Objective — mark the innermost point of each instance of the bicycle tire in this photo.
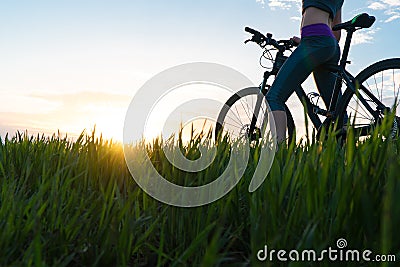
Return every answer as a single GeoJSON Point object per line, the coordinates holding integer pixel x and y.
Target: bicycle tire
{"type": "Point", "coordinates": [229, 106]}
{"type": "Point", "coordinates": [377, 73]}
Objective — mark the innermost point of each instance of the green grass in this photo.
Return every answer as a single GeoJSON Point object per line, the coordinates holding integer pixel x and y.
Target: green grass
{"type": "Point", "coordinates": [66, 203]}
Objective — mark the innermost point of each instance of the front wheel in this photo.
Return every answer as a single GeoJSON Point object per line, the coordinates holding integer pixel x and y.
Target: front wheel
{"type": "Point", "coordinates": [237, 114]}
{"type": "Point", "coordinates": [377, 94]}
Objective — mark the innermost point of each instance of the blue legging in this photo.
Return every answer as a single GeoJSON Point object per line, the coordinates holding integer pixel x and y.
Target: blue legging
{"type": "Point", "coordinates": [314, 54]}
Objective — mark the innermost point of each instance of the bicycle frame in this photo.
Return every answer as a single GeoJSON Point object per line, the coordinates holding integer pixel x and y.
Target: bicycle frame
{"type": "Point", "coordinates": [342, 75]}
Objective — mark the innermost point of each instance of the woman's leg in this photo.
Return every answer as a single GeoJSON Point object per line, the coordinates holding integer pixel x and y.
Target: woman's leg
{"type": "Point", "coordinates": [325, 81]}
{"type": "Point", "coordinates": [280, 125]}
{"type": "Point", "coordinates": [311, 53]}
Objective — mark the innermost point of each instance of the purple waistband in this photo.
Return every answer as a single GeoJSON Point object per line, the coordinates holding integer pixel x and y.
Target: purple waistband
{"type": "Point", "coordinates": [319, 29]}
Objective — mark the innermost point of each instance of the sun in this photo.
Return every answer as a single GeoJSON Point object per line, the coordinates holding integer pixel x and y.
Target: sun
{"type": "Point", "coordinates": [108, 121]}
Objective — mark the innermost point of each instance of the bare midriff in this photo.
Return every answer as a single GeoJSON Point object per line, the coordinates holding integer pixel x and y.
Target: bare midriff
{"type": "Point", "coordinates": [313, 15]}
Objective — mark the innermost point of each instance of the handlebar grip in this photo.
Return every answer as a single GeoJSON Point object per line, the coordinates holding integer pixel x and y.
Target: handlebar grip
{"type": "Point", "coordinates": [250, 30]}
{"type": "Point", "coordinates": [294, 44]}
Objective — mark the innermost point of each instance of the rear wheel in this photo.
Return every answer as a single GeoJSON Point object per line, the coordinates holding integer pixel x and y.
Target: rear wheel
{"type": "Point", "coordinates": [378, 95]}
{"type": "Point", "coordinates": [236, 115]}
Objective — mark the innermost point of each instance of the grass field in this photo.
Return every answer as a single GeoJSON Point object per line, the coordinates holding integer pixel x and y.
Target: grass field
{"type": "Point", "coordinates": [65, 203]}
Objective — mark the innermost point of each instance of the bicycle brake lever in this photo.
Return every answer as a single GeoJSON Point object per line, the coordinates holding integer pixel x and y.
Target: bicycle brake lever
{"type": "Point", "coordinates": [248, 40]}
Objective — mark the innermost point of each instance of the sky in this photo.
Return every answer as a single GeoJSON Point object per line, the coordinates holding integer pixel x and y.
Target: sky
{"type": "Point", "coordinates": [69, 65]}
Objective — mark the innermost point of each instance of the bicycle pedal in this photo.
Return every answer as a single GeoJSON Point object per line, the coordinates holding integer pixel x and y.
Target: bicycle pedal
{"type": "Point", "coordinates": [319, 111]}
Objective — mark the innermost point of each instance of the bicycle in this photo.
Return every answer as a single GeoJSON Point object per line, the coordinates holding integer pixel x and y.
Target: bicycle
{"type": "Point", "coordinates": [361, 106]}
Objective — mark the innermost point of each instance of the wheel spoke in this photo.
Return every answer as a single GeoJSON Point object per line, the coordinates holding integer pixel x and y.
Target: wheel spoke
{"type": "Point", "coordinates": [238, 115]}
{"type": "Point", "coordinates": [239, 125]}
{"type": "Point", "coordinates": [377, 80]}
{"type": "Point", "coordinates": [358, 105]}
{"type": "Point", "coordinates": [230, 124]}
{"type": "Point", "coordinates": [363, 117]}
{"type": "Point", "coordinates": [244, 108]}
{"type": "Point", "coordinates": [377, 90]}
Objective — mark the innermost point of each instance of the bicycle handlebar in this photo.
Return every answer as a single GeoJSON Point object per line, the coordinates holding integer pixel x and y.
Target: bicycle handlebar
{"type": "Point", "coordinates": [263, 40]}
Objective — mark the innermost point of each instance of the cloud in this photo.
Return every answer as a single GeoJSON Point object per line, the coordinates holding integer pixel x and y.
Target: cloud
{"type": "Point", "coordinates": [284, 4]}
{"type": "Point", "coordinates": [392, 2]}
{"type": "Point", "coordinates": [394, 17]}
{"type": "Point", "coordinates": [281, 4]}
{"type": "Point", "coordinates": [376, 6]}
{"type": "Point", "coordinates": [46, 113]}
{"type": "Point", "coordinates": [363, 37]}
{"type": "Point", "coordinates": [262, 2]}
{"type": "Point", "coordinates": [294, 18]}
{"type": "Point", "coordinates": [26, 104]}
{"type": "Point", "coordinates": [390, 8]}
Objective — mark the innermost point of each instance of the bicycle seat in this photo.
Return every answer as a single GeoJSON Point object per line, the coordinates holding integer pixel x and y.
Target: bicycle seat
{"type": "Point", "coordinates": [361, 21]}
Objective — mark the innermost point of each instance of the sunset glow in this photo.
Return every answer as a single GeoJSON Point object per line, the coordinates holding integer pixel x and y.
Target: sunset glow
{"type": "Point", "coordinates": [70, 66]}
